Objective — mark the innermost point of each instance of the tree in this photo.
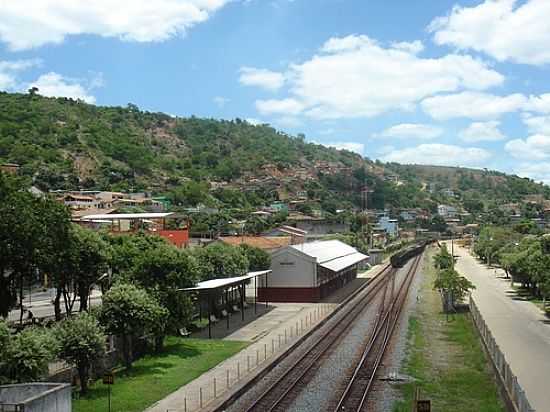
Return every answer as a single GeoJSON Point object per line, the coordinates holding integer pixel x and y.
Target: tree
{"type": "Point", "coordinates": [4, 342]}
{"type": "Point", "coordinates": [33, 90]}
{"type": "Point", "coordinates": [81, 342]}
{"type": "Point", "coordinates": [33, 235]}
{"type": "Point", "coordinates": [438, 224]}
{"type": "Point", "coordinates": [91, 255]}
{"type": "Point", "coordinates": [219, 260]}
{"type": "Point", "coordinates": [453, 287]}
{"type": "Point", "coordinates": [258, 259]}
{"type": "Point", "coordinates": [129, 311]}
{"type": "Point", "coordinates": [443, 260]}
{"type": "Point", "coordinates": [27, 355]}
{"type": "Point", "coordinates": [163, 271]}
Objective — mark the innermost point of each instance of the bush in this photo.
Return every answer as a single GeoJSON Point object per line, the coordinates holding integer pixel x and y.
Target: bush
{"type": "Point", "coordinates": [81, 341]}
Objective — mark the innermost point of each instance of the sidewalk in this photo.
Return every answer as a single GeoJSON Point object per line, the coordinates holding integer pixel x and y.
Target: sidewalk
{"type": "Point", "coordinates": [519, 327]}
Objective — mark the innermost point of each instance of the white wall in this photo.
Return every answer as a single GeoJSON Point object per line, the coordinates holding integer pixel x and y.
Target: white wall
{"type": "Point", "coordinates": [292, 270]}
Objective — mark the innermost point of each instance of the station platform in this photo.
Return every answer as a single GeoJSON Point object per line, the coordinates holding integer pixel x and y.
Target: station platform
{"type": "Point", "coordinates": [271, 331]}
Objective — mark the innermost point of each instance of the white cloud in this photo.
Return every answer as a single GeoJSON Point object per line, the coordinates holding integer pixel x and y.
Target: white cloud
{"type": "Point", "coordinates": [221, 101]}
{"type": "Point", "coordinates": [439, 154]}
{"type": "Point", "coordinates": [284, 106]}
{"type": "Point", "coordinates": [288, 121]}
{"type": "Point", "coordinates": [539, 104]}
{"type": "Point", "coordinates": [253, 121]}
{"type": "Point", "coordinates": [33, 23]}
{"type": "Point", "coordinates": [474, 105]}
{"type": "Point", "coordinates": [411, 131]}
{"type": "Point", "coordinates": [350, 146]}
{"type": "Point", "coordinates": [537, 124]}
{"type": "Point", "coordinates": [505, 29]}
{"type": "Point", "coordinates": [535, 147]}
{"type": "Point", "coordinates": [263, 78]}
{"type": "Point", "coordinates": [414, 47]}
{"type": "Point", "coordinates": [482, 131]}
{"type": "Point", "coordinates": [539, 172]}
{"type": "Point", "coordinates": [355, 76]}
{"type": "Point", "coordinates": [10, 69]}
{"type": "Point", "coordinates": [55, 85]}
{"type": "Point", "coordinates": [382, 150]}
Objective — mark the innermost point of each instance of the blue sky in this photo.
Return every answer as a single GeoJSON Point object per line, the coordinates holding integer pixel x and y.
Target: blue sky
{"type": "Point", "coordinates": [436, 82]}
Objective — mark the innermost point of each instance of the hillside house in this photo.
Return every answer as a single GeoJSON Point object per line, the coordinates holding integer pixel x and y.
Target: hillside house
{"type": "Point", "coordinates": [388, 225]}
{"type": "Point", "coordinates": [77, 201]}
{"type": "Point", "coordinates": [11, 168]}
{"type": "Point", "coordinates": [315, 225]}
{"type": "Point", "coordinates": [446, 211]}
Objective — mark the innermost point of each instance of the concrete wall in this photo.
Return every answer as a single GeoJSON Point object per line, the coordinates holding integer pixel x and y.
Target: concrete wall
{"type": "Point", "coordinates": [38, 397]}
{"type": "Point", "coordinates": [290, 269]}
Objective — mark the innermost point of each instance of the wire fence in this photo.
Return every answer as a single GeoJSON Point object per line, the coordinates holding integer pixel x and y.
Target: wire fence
{"type": "Point", "coordinates": [507, 379]}
{"type": "Point", "coordinates": [257, 355]}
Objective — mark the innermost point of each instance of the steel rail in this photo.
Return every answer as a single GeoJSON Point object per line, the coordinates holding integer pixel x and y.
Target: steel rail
{"type": "Point", "coordinates": [390, 318]}
{"type": "Point", "coordinates": [274, 389]}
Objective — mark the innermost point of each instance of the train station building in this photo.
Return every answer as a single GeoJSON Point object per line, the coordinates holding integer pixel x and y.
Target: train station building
{"type": "Point", "coordinates": [308, 272]}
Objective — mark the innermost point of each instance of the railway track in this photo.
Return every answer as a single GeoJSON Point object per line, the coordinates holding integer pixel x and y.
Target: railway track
{"type": "Point", "coordinates": [360, 383]}
{"type": "Point", "coordinates": [279, 393]}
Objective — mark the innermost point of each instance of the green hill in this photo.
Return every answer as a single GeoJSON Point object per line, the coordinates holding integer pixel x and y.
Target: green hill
{"type": "Point", "coordinates": [65, 144]}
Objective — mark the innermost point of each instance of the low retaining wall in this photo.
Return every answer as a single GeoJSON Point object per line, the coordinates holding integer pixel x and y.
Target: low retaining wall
{"type": "Point", "coordinates": [36, 397]}
{"type": "Point", "coordinates": [515, 396]}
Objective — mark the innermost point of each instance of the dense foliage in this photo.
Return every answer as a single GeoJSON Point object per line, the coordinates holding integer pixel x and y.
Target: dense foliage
{"type": "Point", "coordinates": [64, 144]}
{"type": "Point", "coordinates": [524, 257]}
{"type": "Point", "coordinates": [81, 342]}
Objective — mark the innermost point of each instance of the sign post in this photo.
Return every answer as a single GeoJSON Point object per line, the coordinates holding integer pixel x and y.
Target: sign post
{"type": "Point", "coordinates": [109, 380]}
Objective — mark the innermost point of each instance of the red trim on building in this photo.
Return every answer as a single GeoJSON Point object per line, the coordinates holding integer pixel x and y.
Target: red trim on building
{"type": "Point", "coordinates": [289, 294]}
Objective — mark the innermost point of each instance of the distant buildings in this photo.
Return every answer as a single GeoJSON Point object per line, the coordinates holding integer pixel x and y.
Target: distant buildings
{"type": "Point", "coordinates": [388, 225]}
{"type": "Point", "coordinates": [11, 168]}
{"type": "Point", "coordinates": [448, 192]}
{"type": "Point", "coordinates": [447, 211]}
{"type": "Point", "coordinates": [78, 200]}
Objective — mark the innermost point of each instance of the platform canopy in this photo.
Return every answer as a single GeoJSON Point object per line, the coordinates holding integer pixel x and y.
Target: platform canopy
{"type": "Point", "coordinates": [127, 216]}
{"type": "Point", "coordinates": [221, 283]}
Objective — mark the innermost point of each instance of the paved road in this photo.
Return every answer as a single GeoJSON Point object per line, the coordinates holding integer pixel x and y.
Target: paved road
{"type": "Point", "coordinates": [40, 304]}
{"type": "Point", "coordinates": [519, 327]}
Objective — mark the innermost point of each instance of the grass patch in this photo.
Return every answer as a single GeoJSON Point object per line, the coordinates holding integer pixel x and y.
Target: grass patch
{"type": "Point", "coordinates": [155, 376]}
{"type": "Point", "coordinates": [446, 359]}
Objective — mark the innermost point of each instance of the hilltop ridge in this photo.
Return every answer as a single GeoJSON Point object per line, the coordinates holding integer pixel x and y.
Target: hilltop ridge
{"type": "Point", "coordinates": [66, 144]}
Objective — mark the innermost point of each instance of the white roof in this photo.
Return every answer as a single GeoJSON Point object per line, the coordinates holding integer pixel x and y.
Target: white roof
{"type": "Point", "coordinates": [126, 216]}
{"type": "Point", "coordinates": [339, 264]}
{"type": "Point", "coordinates": [224, 282]}
{"type": "Point", "coordinates": [331, 254]}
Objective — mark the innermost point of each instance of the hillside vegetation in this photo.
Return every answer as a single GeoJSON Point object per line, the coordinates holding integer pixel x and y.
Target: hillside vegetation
{"type": "Point", "coordinates": [65, 144]}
